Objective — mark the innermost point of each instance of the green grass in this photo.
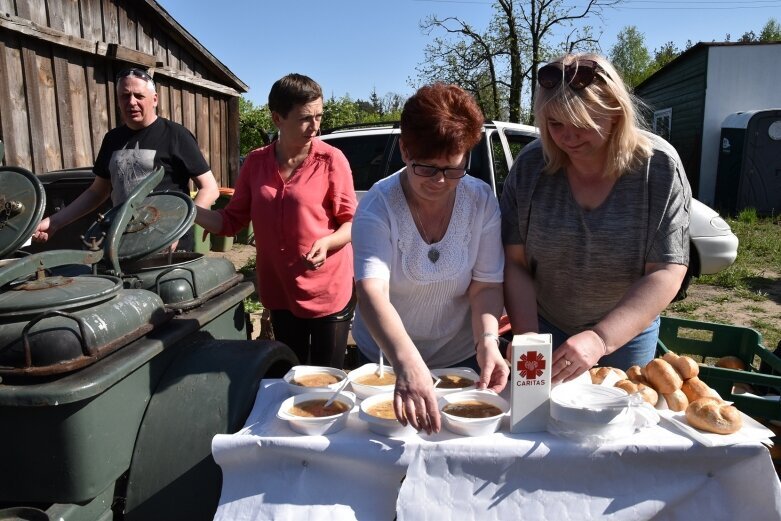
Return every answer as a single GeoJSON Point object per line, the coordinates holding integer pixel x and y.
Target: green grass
{"type": "Point", "coordinates": [685, 307]}
{"type": "Point", "coordinates": [771, 333]}
{"type": "Point", "coordinates": [249, 267]}
{"type": "Point", "coordinates": [759, 254]}
{"type": "Point", "coordinates": [252, 305]}
{"type": "Point", "coordinates": [754, 276]}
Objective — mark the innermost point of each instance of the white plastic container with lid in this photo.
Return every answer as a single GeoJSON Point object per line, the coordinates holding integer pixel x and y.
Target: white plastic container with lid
{"type": "Point", "coordinates": [591, 413]}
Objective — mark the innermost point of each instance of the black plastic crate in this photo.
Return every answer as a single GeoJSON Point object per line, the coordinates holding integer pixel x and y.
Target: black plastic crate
{"type": "Point", "coordinates": [706, 342]}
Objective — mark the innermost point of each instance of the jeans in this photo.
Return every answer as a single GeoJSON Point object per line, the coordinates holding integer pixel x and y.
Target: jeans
{"type": "Point", "coordinates": [638, 351]}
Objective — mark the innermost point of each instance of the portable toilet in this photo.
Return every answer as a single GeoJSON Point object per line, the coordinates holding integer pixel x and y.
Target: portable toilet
{"type": "Point", "coordinates": [749, 167]}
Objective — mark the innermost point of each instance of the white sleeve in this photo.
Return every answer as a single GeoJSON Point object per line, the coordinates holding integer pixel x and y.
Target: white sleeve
{"type": "Point", "coordinates": [489, 265]}
{"type": "Point", "coordinates": [372, 244]}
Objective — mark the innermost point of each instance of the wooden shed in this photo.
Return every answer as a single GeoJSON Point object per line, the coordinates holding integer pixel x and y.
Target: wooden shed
{"type": "Point", "coordinates": [692, 95]}
{"type": "Point", "coordinates": [58, 62]}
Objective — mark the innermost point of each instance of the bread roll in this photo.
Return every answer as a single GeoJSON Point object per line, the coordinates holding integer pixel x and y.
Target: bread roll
{"type": "Point", "coordinates": [687, 367]}
{"type": "Point", "coordinates": [670, 356]}
{"type": "Point", "coordinates": [712, 415]}
{"type": "Point", "coordinates": [676, 401]}
{"type": "Point", "coordinates": [598, 374]}
{"type": "Point", "coordinates": [648, 394]}
{"type": "Point", "coordinates": [694, 389]}
{"type": "Point", "coordinates": [661, 376]}
{"type": "Point", "coordinates": [731, 362]}
{"type": "Point", "coordinates": [635, 373]}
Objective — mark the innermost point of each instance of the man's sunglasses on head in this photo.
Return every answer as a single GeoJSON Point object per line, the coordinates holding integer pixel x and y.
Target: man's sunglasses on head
{"type": "Point", "coordinates": [577, 75]}
{"type": "Point", "coordinates": [136, 73]}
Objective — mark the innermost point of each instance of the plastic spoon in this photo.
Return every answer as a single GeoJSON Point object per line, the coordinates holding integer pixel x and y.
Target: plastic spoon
{"type": "Point", "coordinates": [382, 365]}
{"type": "Point", "coordinates": [339, 390]}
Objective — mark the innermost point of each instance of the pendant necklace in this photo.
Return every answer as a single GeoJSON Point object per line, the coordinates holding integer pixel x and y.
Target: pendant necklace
{"type": "Point", "coordinates": [433, 252]}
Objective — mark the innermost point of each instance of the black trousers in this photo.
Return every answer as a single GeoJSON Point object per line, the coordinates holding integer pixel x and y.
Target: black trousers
{"type": "Point", "coordinates": [316, 341]}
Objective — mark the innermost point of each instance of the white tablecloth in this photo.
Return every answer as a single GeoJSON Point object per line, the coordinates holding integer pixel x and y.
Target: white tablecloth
{"type": "Point", "coordinates": [271, 472]}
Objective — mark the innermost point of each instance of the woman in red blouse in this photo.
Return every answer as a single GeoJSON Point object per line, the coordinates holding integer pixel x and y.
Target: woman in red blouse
{"type": "Point", "coordinates": [298, 192]}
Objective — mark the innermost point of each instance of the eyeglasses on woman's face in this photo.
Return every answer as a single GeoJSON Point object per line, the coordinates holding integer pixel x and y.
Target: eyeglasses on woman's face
{"type": "Point", "coordinates": [577, 75]}
{"type": "Point", "coordinates": [424, 170]}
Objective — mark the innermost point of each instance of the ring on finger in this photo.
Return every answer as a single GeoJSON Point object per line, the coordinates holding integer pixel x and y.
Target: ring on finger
{"type": "Point", "coordinates": [567, 363]}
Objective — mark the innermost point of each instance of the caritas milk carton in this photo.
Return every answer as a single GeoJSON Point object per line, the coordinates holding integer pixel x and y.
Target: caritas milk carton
{"type": "Point", "coordinates": [530, 366]}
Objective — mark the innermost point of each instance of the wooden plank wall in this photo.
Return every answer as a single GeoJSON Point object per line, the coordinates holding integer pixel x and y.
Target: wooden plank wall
{"type": "Point", "coordinates": [57, 101]}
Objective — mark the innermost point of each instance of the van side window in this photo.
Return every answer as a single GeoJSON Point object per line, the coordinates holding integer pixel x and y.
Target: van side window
{"type": "Point", "coordinates": [517, 141]}
{"type": "Point", "coordinates": [366, 156]}
{"type": "Point", "coordinates": [500, 163]}
{"type": "Point", "coordinates": [396, 163]}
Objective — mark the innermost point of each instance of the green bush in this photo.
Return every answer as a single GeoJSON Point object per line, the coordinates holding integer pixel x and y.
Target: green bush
{"type": "Point", "coordinates": [748, 216]}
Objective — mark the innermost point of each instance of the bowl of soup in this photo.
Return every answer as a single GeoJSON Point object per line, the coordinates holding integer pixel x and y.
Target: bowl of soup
{"type": "Point", "coordinates": [473, 413]}
{"type": "Point", "coordinates": [377, 412]}
{"type": "Point", "coordinates": [309, 378]}
{"type": "Point", "coordinates": [366, 380]}
{"type": "Point", "coordinates": [455, 379]}
{"type": "Point", "coordinates": [307, 413]}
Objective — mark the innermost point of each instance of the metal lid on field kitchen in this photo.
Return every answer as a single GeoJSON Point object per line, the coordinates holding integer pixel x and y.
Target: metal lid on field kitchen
{"type": "Point", "coordinates": [145, 224]}
{"type": "Point", "coordinates": [55, 293]}
{"type": "Point", "coordinates": [22, 203]}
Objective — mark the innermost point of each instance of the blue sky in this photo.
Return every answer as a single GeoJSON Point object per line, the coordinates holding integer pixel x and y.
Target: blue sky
{"type": "Point", "coordinates": [353, 46]}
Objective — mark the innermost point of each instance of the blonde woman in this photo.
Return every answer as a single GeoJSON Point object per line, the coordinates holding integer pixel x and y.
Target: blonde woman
{"type": "Point", "coordinates": [595, 218]}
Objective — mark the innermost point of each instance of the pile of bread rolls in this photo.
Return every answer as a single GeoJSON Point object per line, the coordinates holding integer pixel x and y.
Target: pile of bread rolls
{"type": "Point", "coordinates": [675, 378]}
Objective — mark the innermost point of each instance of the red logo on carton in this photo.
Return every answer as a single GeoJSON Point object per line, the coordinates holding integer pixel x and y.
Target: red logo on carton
{"type": "Point", "coordinates": [531, 365]}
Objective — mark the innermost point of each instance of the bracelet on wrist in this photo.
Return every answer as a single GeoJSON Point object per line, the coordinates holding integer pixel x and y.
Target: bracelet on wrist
{"type": "Point", "coordinates": [604, 344]}
{"type": "Point", "coordinates": [492, 336]}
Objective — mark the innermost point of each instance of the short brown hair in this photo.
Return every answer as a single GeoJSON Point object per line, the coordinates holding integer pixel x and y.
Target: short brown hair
{"type": "Point", "coordinates": [291, 90]}
{"type": "Point", "coordinates": [440, 119]}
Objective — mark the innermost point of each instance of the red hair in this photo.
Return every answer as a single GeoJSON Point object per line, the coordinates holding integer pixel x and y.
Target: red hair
{"type": "Point", "coordinates": [440, 119]}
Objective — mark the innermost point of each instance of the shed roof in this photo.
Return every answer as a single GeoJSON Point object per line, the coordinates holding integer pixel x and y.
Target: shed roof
{"type": "Point", "coordinates": [697, 48]}
{"type": "Point", "coordinates": [217, 66]}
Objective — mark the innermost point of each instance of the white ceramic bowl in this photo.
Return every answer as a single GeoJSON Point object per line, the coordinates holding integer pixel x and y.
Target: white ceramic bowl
{"type": "Point", "coordinates": [364, 391]}
{"type": "Point", "coordinates": [588, 404]}
{"type": "Point", "coordinates": [473, 426]}
{"type": "Point", "coordinates": [312, 369]}
{"type": "Point", "coordinates": [316, 426]}
{"type": "Point", "coordinates": [463, 372]}
{"type": "Point", "coordinates": [382, 426]}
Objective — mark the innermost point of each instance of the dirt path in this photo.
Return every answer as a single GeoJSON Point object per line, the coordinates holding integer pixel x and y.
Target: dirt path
{"type": "Point", "coordinates": [238, 255]}
{"type": "Point", "coordinates": [759, 309]}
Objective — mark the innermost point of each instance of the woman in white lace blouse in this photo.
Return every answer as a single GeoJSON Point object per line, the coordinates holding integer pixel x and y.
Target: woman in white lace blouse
{"type": "Point", "coordinates": [428, 258]}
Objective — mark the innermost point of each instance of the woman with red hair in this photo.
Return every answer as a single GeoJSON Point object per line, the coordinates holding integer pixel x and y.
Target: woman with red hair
{"type": "Point", "coordinates": [428, 258]}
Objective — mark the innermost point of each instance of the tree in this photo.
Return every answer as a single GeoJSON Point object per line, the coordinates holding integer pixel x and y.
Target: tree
{"type": "Point", "coordinates": [254, 126]}
{"type": "Point", "coordinates": [392, 103]}
{"type": "Point", "coordinates": [771, 32]}
{"type": "Point", "coordinates": [499, 65]}
{"type": "Point", "coordinates": [748, 37]}
{"type": "Point", "coordinates": [630, 56]}
{"type": "Point", "coordinates": [469, 61]}
{"type": "Point", "coordinates": [662, 56]}
{"type": "Point", "coordinates": [376, 102]}
{"type": "Point", "coordinates": [339, 112]}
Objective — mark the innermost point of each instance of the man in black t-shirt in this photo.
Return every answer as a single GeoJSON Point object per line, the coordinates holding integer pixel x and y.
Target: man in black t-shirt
{"type": "Point", "coordinates": [132, 151]}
